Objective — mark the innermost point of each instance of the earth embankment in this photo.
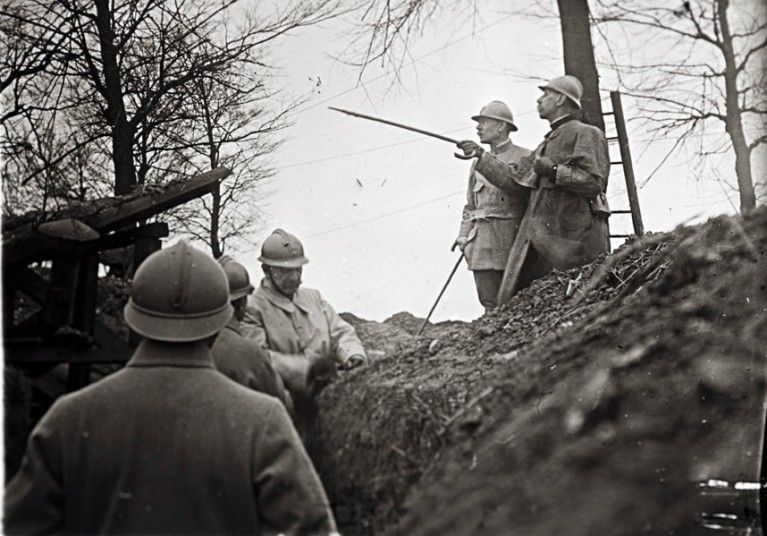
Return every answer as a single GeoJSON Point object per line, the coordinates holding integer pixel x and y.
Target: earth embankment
{"type": "Point", "coordinates": [622, 397]}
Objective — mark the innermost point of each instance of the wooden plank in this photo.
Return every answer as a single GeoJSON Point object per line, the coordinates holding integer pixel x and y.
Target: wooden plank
{"type": "Point", "coordinates": [127, 237]}
{"type": "Point", "coordinates": [143, 207]}
{"type": "Point", "coordinates": [25, 243]}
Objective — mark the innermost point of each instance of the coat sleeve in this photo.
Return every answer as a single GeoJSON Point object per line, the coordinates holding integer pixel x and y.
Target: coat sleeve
{"type": "Point", "coordinates": [34, 499]}
{"type": "Point", "coordinates": [513, 177]}
{"type": "Point", "coordinates": [257, 373]}
{"type": "Point", "coordinates": [585, 171]}
{"type": "Point", "coordinates": [466, 223]}
{"type": "Point", "coordinates": [343, 339]}
{"type": "Point", "coordinates": [290, 497]}
{"type": "Point", "coordinates": [293, 369]}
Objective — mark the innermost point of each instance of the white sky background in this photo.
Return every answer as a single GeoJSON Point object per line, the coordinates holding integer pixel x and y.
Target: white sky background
{"type": "Point", "coordinates": [384, 247]}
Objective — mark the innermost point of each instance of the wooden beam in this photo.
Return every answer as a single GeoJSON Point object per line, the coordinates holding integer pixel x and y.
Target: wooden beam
{"type": "Point", "coordinates": [120, 239]}
{"type": "Point", "coordinates": [148, 205]}
{"type": "Point", "coordinates": [25, 243]}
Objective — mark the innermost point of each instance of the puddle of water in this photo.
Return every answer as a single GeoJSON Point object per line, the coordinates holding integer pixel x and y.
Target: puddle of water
{"type": "Point", "coordinates": [730, 508]}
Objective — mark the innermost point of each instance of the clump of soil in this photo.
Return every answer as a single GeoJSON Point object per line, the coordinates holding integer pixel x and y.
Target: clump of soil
{"type": "Point", "coordinates": [595, 403]}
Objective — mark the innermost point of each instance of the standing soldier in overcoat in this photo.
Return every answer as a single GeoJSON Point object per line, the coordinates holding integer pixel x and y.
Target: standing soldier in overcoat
{"type": "Point", "coordinates": [566, 220]}
{"type": "Point", "coordinates": [492, 216]}
{"type": "Point", "coordinates": [301, 331]}
{"type": "Point", "coordinates": [168, 445]}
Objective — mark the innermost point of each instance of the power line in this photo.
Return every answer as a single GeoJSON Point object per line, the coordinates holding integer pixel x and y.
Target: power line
{"type": "Point", "coordinates": [386, 215]}
{"type": "Point", "coordinates": [387, 73]}
{"type": "Point", "coordinates": [363, 151]}
{"type": "Point", "coordinates": [379, 147]}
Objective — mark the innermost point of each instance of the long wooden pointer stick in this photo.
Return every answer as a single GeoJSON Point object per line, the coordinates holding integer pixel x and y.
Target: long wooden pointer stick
{"type": "Point", "coordinates": [406, 127]}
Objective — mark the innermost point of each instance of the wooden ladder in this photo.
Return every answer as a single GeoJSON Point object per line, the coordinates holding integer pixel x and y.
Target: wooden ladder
{"type": "Point", "coordinates": [626, 164]}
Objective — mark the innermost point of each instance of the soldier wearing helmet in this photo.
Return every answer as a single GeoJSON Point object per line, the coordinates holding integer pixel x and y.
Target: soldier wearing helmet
{"type": "Point", "coordinates": [491, 216]}
{"type": "Point", "coordinates": [567, 178]}
{"type": "Point", "coordinates": [168, 445]}
{"type": "Point", "coordinates": [302, 332]}
{"type": "Point", "coordinates": [238, 357]}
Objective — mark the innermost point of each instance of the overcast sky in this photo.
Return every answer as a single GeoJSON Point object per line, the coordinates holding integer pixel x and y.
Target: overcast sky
{"type": "Point", "coordinates": [378, 208]}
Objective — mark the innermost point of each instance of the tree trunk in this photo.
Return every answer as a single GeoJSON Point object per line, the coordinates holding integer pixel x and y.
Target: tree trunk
{"type": "Point", "coordinates": [213, 156]}
{"type": "Point", "coordinates": [122, 130]}
{"type": "Point", "coordinates": [579, 56]}
{"type": "Point", "coordinates": [215, 215]}
{"type": "Point", "coordinates": [733, 122]}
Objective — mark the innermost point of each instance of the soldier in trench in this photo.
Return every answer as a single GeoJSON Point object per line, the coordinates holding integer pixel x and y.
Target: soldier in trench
{"type": "Point", "coordinates": [566, 220]}
{"type": "Point", "coordinates": [168, 445]}
{"type": "Point", "coordinates": [491, 216]}
{"type": "Point", "coordinates": [303, 334]}
{"type": "Point", "coordinates": [241, 358]}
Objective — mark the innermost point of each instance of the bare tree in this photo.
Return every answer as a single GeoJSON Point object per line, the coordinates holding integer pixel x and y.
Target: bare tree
{"type": "Point", "coordinates": [711, 71]}
{"type": "Point", "coordinates": [128, 61]}
{"type": "Point", "coordinates": [229, 123]}
{"type": "Point", "coordinates": [388, 26]}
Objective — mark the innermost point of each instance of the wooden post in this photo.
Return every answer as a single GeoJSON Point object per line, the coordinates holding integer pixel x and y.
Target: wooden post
{"type": "Point", "coordinates": [84, 314]}
{"type": "Point", "coordinates": [144, 246]}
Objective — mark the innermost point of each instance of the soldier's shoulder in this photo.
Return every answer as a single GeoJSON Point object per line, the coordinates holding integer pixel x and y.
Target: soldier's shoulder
{"type": "Point", "coordinates": [585, 127]}
{"type": "Point", "coordinates": [309, 294]}
{"type": "Point", "coordinates": [95, 395]}
{"type": "Point", "coordinates": [257, 299]}
{"type": "Point", "coordinates": [240, 398]}
{"type": "Point", "coordinates": [522, 151]}
{"type": "Point", "coordinates": [230, 345]}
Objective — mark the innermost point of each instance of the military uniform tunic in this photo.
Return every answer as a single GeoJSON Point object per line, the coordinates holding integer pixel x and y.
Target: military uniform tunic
{"type": "Point", "coordinates": [491, 216]}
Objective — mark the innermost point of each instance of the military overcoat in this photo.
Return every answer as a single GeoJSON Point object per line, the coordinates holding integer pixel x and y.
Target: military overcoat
{"type": "Point", "coordinates": [298, 333]}
{"type": "Point", "coordinates": [168, 445]}
{"type": "Point", "coordinates": [244, 361]}
{"type": "Point", "coordinates": [564, 231]}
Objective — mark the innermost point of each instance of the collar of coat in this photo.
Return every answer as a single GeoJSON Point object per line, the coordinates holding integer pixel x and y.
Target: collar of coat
{"type": "Point", "coordinates": [151, 353]}
{"type": "Point", "coordinates": [234, 325]}
{"type": "Point", "coordinates": [558, 123]}
{"type": "Point", "coordinates": [502, 147]}
{"type": "Point", "coordinates": [278, 300]}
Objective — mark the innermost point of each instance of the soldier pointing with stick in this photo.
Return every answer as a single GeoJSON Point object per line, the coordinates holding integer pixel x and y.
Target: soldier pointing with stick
{"type": "Point", "coordinates": [565, 224]}
{"type": "Point", "coordinates": [491, 216]}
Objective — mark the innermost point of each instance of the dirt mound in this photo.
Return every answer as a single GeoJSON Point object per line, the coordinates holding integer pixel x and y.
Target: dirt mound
{"type": "Point", "coordinates": [598, 402]}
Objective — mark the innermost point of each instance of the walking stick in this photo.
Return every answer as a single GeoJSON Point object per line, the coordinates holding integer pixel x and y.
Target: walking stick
{"type": "Point", "coordinates": [441, 292]}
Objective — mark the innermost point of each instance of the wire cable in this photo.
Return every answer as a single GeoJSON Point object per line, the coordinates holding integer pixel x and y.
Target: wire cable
{"type": "Point", "coordinates": [386, 215]}
{"type": "Point", "coordinates": [411, 62]}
